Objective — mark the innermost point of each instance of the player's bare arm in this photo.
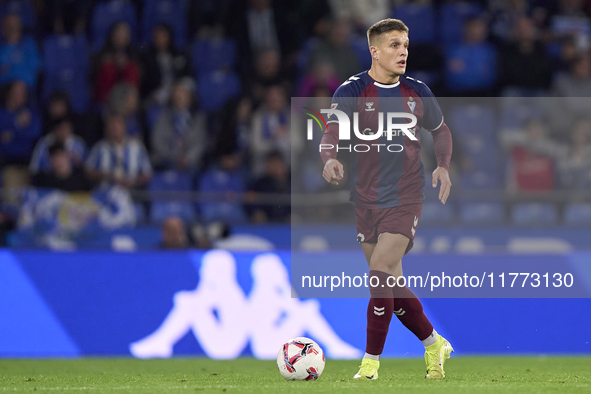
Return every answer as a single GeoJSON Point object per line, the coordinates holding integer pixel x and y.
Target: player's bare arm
{"type": "Point", "coordinates": [333, 171]}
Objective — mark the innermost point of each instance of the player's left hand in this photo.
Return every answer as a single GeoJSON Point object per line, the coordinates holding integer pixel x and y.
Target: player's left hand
{"type": "Point", "coordinates": [441, 175]}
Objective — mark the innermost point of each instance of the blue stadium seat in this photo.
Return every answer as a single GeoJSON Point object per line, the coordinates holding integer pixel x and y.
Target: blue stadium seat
{"type": "Point", "coordinates": [106, 14]}
{"type": "Point", "coordinates": [216, 88]}
{"type": "Point", "coordinates": [475, 128]}
{"type": "Point", "coordinates": [534, 214]}
{"type": "Point", "coordinates": [212, 55]}
{"type": "Point", "coordinates": [577, 214]}
{"type": "Point", "coordinates": [453, 15]}
{"type": "Point", "coordinates": [420, 20]}
{"type": "Point", "coordinates": [161, 210]}
{"type": "Point", "coordinates": [482, 213]}
{"type": "Point", "coordinates": [22, 8]}
{"type": "Point", "coordinates": [480, 180]}
{"type": "Point", "coordinates": [435, 213]}
{"type": "Point", "coordinates": [66, 69]}
{"type": "Point", "coordinates": [218, 181]}
{"type": "Point", "coordinates": [362, 54]}
{"type": "Point", "coordinates": [171, 181]}
{"type": "Point", "coordinates": [466, 120]}
{"type": "Point", "coordinates": [169, 12]}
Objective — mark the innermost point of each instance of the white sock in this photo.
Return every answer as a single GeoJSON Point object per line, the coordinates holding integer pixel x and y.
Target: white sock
{"type": "Point", "coordinates": [372, 356]}
{"type": "Point", "coordinates": [431, 339]}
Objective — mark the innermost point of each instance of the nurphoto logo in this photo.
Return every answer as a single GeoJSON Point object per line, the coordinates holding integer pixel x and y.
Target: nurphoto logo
{"type": "Point", "coordinates": [392, 129]}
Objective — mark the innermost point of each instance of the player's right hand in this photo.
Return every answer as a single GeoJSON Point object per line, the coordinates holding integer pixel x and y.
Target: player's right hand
{"type": "Point", "coordinates": [333, 171]}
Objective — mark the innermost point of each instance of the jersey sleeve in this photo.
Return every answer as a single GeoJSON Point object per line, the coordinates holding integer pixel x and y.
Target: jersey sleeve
{"type": "Point", "coordinates": [343, 100]}
{"type": "Point", "coordinates": [432, 115]}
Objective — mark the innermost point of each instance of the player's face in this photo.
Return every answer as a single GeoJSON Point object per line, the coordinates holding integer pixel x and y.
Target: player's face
{"type": "Point", "coordinates": [392, 51]}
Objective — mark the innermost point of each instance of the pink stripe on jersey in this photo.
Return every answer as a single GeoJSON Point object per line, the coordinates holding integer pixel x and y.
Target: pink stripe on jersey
{"type": "Point", "coordinates": [410, 184]}
{"type": "Point", "coordinates": [368, 163]}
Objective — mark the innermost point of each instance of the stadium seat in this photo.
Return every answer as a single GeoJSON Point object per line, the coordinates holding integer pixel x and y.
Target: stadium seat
{"type": "Point", "coordinates": [22, 8]}
{"type": "Point", "coordinates": [169, 12]}
{"type": "Point", "coordinates": [161, 210]}
{"type": "Point", "coordinates": [213, 55]}
{"type": "Point", "coordinates": [480, 180]}
{"type": "Point", "coordinates": [434, 213]}
{"type": "Point", "coordinates": [525, 214]}
{"type": "Point", "coordinates": [420, 20]}
{"type": "Point", "coordinates": [577, 214]}
{"type": "Point", "coordinates": [453, 15]}
{"type": "Point", "coordinates": [218, 181]}
{"type": "Point", "coordinates": [106, 14]}
{"type": "Point", "coordinates": [66, 69]}
{"type": "Point", "coordinates": [216, 88]}
{"type": "Point", "coordinates": [171, 181]}
{"type": "Point", "coordinates": [475, 128]}
{"type": "Point", "coordinates": [482, 213]}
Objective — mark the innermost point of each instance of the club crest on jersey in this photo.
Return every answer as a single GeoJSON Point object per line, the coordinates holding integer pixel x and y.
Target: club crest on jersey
{"type": "Point", "coordinates": [369, 105]}
{"type": "Point", "coordinates": [411, 104]}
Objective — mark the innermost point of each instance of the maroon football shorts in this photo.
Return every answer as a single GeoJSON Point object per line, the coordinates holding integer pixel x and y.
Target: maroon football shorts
{"type": "Point", "coordinates": [402, 219]}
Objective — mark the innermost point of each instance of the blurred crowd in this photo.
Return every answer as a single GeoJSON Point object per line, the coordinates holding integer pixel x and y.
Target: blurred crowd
{"type": "Point", "coordinates": [124, 92]}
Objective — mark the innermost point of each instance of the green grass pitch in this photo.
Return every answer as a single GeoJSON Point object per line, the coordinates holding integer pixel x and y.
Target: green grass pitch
{"type": "Point", "coordinates": [245, 375]}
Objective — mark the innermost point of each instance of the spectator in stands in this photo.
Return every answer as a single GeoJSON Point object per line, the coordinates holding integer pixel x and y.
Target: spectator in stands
{"type": "Point", "coordinates": [533, 155]}
{"type": "Point", "coordinates": [58, 107]}
{"type": "Point", "coordinates": [571, 90]}
{"type": "Point", "coordinates": [270, 129]}
{"type": "Point", "coordinates": [62, 174]}
{"type": "Point", "coordinates": [20, 126]}
{"type": "Point", "coordinates": [259, 25]}
{"type": "Point", "coordinates": [267, 73]}
{"type": "Point", "coordinates": [162, 64]}
{"type": "Point", "coordinates": [116, 62]}
{"type": "Point", "coordinates": [526, 66]}
{"type": "Point", "coordinates": [576, 83]}
{"type": "Point", "coordinates": [471, 67]}
{"type": "Point", "coordinates": [66, 16]}
{"type": "Point", "coordinates": [62, 132]}
{"type": "Point", "coordinates": [362, 14]}
{"type": "Point", "coordinates": [173, 234]}
{"type": "Point", "coordinates": [506, 15]}
{"type": "Point", "coordinates": [275, 180]}
{"type": "Point", "coordinates": [323, 76]}
{"type": "Point", "coordinates": [124, 100]}
{"type": "Point", "coordinates": [335, 49]}
{"type": "Point", "coordinates": [179, 136]}
{"type": "Point", "coordinates": [18, 55]}
{"type": "Point", "coordinates": [118, 159]}
{"type": "Point", "coordinates": [226, 180]}
{"type": "Point", "coordinates": [575, 161]}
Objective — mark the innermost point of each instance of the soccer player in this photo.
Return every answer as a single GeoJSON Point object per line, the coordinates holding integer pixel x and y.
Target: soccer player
{"type": "Point", "coordinates": [387, 186]}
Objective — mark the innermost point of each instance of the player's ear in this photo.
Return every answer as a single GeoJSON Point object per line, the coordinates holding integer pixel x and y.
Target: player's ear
{"type": "Point", "coordinates": [374, 52]}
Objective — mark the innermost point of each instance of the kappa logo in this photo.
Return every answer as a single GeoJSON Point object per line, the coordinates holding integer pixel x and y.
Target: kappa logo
{"type": "Point", "coordinates": [369, 105]}
{"type": "Point", "coordinates": [379, 311]}
{"type": "Point", "coordinates": [413, 229]}
{"type": "Point", "coordinates": [360, 237]}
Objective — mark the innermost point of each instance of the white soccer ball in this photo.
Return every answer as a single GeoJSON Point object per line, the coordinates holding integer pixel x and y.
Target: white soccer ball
{"type": "Point", "coordinates": [300, 359]}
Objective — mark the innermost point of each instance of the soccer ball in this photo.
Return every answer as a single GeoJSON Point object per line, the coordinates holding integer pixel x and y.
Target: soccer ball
{"type": "Point", "coordinates": [300, 359]}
